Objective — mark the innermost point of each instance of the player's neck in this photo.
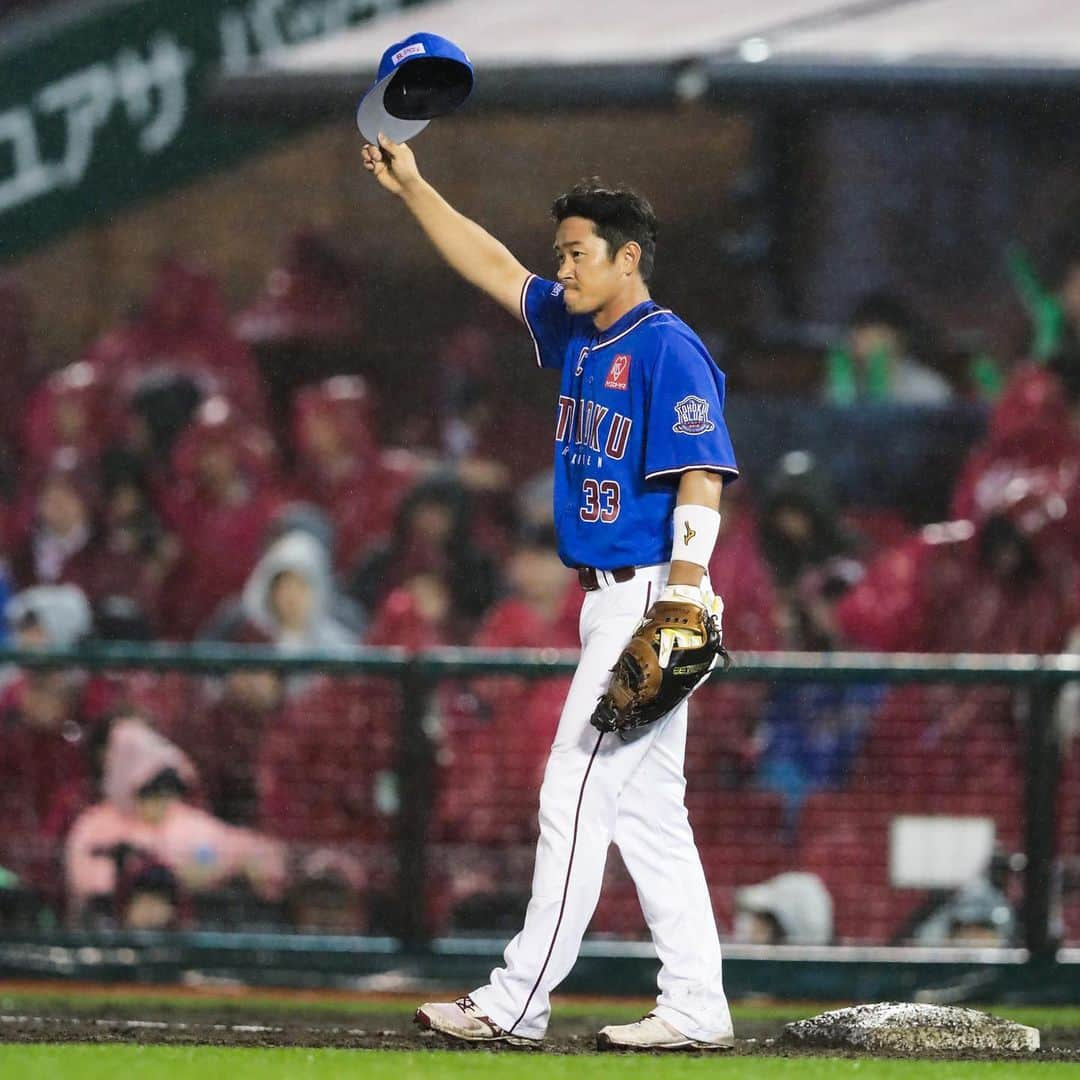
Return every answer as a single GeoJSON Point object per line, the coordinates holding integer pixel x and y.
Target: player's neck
{"type": "Point", "coordinates": [636, 292]}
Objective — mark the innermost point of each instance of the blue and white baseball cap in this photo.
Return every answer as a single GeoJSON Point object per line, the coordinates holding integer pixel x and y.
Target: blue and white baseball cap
{"type": "Point", "coordinates": [420, 78]}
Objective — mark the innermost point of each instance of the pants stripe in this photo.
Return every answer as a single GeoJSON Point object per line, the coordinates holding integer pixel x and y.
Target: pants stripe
{"type": "Point", "coordinates": [566, 888]}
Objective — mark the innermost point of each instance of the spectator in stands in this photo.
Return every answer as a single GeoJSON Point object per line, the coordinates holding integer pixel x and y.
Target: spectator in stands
{"type": "Point", "coordinates": [49, 616]}
{"type": "Point", "coordinates": [326, 771]}
{"type": "Point", "coordinates": [313, 300]}
{"type": "Point", "coordinates": [978, 914]}
{"type": "Point", "coordinates": [793, 908]}
{"type": "Point", "coordinates": [146, 782]}
{"type": "Point", "coordinates": [69, 411]}
{"type": "Point", "coordinates": [414, 616]}
{"type": "Point", "coordinates": [288, 597]}
{"type": "Point", "coordinates": [161, 406]}
{"type": "Point", "coordinates": [95, 527]}
{"type": "Point", "coordinates": [59, 539]}
{"type": "Point", "coordinates": [45, 730]}
{"type": "Point", "coordinates": [808, 737]}
{"type": "Point", "coordinates": [476, 437]}
{"type": "Point", "coordinates": [341, 467]}
{"type": "Point", "coordinates": [134, 555]}
{"type": "Point", "coordinates": [308, 323]}
{"type": "Point", "coordinates": [490, 434]}
{"type": "Point", "coordinates": [432, 539]}
{"type": "Point", "coordinates": [808, 733]}
{"type": "Point", "coordinates": [496, 734]}
{"type": "Point", "coordinates": [738, 569]}
{"type": "Point", "coordinates": [326, 901]}
{"type": "Point", "coordinates": [543, 604]}
{"type": "Point", "coordinates": [1032, 427]}
{"type": "Point", "coordinates": [230, 622]}
{"type": "Point", "coordinates": [182, 329]}
{"type": "Point", "coordinates": [1001, 583]}
{"type": "Point", "coordinates": [326, 777]}
{"type": "Point", "coordinates": [147, 895]}
{"type": "Point", "coordinates": [309, 518]}
{"type": "Point", "coordinates": [149, 898]}
{"type": "Point", "coordinates": [224, 730]}
{"type": "Point", "coordinates": [225, 497]}
{"type": "Point", "coordinates": [1054, 308]}
{"type": "Point", "coordinates": [467, 357]}
{"type": "Point", "coordinates": [809, 551]}
{"type": "Point", "coordinates": [876, 362]}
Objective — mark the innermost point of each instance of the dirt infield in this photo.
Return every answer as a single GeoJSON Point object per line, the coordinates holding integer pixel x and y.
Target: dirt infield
{"type": "Point", "coordinates": [235, 1025]}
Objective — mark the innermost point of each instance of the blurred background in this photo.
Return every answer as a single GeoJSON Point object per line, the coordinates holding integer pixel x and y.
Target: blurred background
{"type": "Point", "coordinates": [274, 484]}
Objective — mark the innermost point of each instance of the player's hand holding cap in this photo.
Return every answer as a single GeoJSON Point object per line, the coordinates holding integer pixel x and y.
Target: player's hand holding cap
{"type": "Point", "coordinates": [420, 78]}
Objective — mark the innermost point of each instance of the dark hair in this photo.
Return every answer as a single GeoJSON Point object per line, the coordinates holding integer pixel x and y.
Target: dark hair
{"type": "Point", "coordinates": [885, 309]}
{"type": "Point", "coordinates": [619, 215]}
{"type": "Point", "coordinates": [166, 401]}
{"type": "Point", "coordinates": [166, 782]}
{"type": "Point", "coordinates": [157, 880]}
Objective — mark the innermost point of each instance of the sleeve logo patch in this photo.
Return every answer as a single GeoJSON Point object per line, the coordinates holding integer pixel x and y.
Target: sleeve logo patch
{"type": "Point", "coordinates": [618, 375]}
{"type": "Point", "coordinates": [693, 416]}
{"type": "Point", "coordinates": [556, 290]}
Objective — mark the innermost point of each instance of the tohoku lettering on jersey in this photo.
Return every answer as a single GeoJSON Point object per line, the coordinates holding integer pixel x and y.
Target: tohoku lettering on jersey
{"type": "Point", "coordinates": [586, 424]}
{"type": "Point", "coordinates": [639, 404]}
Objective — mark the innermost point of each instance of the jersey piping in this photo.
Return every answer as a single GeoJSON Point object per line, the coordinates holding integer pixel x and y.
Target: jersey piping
{"type": "Point", "coordinates": [622, 334]}
{"type": "Point", "coordinates": [687, 468]}
{"type": "Point", "coordinates": [592, 348]}
{"type": "Point", "coordinates": [525, 319]}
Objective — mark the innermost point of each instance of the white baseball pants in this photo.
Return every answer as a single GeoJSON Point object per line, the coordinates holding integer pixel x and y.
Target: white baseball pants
{"type": "Point", "coordinates": [598, 789]}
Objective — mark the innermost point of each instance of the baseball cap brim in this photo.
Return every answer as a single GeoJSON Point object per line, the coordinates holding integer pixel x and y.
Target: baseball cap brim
{"type": "Point", "coordinates": [372, 117]}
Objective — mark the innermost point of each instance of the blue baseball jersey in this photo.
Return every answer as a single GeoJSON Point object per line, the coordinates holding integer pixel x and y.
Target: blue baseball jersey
{"type": "Point", "coordinates": [640, 403]}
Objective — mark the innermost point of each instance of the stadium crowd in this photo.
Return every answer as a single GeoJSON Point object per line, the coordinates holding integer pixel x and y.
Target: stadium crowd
{"type": "Point", "coordinates": [163, 488]}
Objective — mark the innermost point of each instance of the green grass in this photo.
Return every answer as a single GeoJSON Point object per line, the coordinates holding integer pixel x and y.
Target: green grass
{"type": "Point", "coordinates": [134, 1062]}
{"type": "Point", "coordinates": [206, 1063]}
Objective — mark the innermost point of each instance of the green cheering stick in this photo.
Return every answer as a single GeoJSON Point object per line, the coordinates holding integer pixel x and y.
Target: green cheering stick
{"type": "Point", "coordinates": [1043, 308]}
{"type": "Point", "coordinates": [842, 379]}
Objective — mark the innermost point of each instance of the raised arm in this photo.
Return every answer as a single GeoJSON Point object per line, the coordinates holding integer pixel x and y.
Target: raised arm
{"type": "Point", "coordinates": [470, 250]}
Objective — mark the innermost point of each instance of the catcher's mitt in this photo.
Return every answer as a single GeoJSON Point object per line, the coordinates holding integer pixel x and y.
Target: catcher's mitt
{"type": "Point", "coordinates": [674, 648]}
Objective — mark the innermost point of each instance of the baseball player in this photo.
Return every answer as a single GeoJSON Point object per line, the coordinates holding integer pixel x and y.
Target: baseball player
{"type": "Point", "coordinates": [641, 451]}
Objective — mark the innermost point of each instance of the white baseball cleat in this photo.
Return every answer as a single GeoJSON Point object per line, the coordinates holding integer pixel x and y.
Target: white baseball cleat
{"type": "Point", "coordinates": [652, 1033]}
{"type": "Point", "coordinates": [462, 1019]}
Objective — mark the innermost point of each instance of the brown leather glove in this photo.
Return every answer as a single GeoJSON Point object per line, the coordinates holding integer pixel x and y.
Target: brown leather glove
{"type": "Point", "coordinates": [673, 649]}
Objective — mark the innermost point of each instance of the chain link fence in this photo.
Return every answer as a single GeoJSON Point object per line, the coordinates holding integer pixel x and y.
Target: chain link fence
{"type": "Point", "coordinates": [885, 800]}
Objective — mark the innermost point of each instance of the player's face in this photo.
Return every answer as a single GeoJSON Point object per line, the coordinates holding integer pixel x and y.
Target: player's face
{"type": "Point", "coordinates": [584, 267]}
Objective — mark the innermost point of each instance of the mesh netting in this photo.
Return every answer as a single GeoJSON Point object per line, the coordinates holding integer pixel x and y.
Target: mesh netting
{"type": "Point", "coordinates": [293, 801]}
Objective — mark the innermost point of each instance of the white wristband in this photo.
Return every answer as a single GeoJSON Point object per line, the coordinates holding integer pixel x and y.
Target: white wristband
{"type": "Point", "coordinates": [689, 593]}
{"type": "Point", "coordinates": [696, 529]}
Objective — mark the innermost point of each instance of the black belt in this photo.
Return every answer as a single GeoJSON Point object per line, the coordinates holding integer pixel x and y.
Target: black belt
{"type": "Point", "coordinates": [590, 581]}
